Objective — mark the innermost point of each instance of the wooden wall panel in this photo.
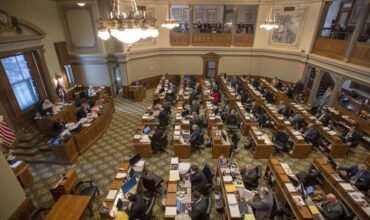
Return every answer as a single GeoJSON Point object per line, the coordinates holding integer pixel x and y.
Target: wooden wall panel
{"type": "Point", "coordinates": [243, 40]}
{"type": "Point", "coordinates": [361, 54]}
{"type": "Point", "coordinates": [332, 48]}
{"type": "Point", "coordinates": [209, 39]}
{"type": "Point", "coordinates": [179, 39]}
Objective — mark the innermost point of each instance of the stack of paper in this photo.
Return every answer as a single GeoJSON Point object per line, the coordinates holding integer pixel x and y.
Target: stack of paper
{"type": "Point", "coordinates": [174, 175]}
{"type": "Point", "coordinates": [174, 160]}
{"type": "Point", "coordinates": [227, 179]}
{"type": "Point", "coordinates": [170, 211]}
{"type": "Point", "coordinates": [290, 187]}
{"type": "Point", "coordinates": [120, 175]}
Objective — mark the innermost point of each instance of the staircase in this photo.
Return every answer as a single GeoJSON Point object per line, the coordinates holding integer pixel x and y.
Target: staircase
{"type": "Point", "coordinates": [326, 81]}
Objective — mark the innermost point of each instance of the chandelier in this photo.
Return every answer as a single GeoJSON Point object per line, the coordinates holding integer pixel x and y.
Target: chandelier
{"type": "Point", "coordinates": [127, 28]}
{"type": "Point", "coordinates": [170, 23]}
{"type": "Point", "coordinates": [270, 22]}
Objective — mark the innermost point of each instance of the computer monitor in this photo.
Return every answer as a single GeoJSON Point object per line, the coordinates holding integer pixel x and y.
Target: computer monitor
{"type": "Point", "coordinates": [146, 130]}
{"type": "Point", "coordinates": [127, 186]}
{"type": "Point", "coordinates": [134, 159]}
{"type": "Point", "coordinates": [332, 163]}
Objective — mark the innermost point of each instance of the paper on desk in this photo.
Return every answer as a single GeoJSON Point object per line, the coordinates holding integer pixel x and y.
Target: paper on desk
{"type": "Point", "coordinates": [357, 196]}
{"type": "Point", "coordinates": [231, 199]}
{"type": "Point", "coordinates": [337, 177]}
{"type": "Point", "coordinates": [145, 139]}
{"type": "Point", "coordinates": [121, 175]}
{"type": "Point", "coordinates": [290, 187]}
{"type": "Point", "coordinates": [174, 160]}
{"type": "Point", "coordinates": [347, 186]}
{"type": "Point", "coordinates": [184, 167]}
{"type": "Point", "coordinates": [246, 194]}
{"type": "Point", "coordinates": [170, 211]}
{"type": "Point", "coordinates": [140, 163]}
{"type": "Point", "coordinates": [111, 194]}
{"type": "Point", "coordinates": [174, 175]}
{"type": "Point", "coordinates": [121, 215]}
{"type": "Point", "coordinates": [249, 217]}
{"type": "Point", "coordinates": [332, 133]}
{"type": "Point", "coordinates": [227, 178]}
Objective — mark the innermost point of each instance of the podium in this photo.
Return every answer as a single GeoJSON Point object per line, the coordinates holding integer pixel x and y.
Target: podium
{"type": "Point", "coordinates": [137, 93]}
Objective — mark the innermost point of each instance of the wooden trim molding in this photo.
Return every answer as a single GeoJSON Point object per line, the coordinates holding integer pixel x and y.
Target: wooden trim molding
{"type": "Point", "coordinates": [11, 36]}
{"type": "Point", "coordinates": [23, 211]}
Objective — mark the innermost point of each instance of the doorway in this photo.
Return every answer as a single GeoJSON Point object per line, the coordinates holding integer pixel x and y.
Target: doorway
{"type": "Point", "coordinates": [117, 79]}
{"type": "Point", "coordinates": [210, 65]}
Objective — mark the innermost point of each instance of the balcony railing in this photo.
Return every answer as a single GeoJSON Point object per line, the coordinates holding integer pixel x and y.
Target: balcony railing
{"type": "Point", "coordinates": [329, 47]}
{"type": "Point", "coordinates": [179, 38]}
{"type": "Point", "coordinates": [243, 40]}
{"type": "Point", "coordinates": [361, 54]}
{"type": "Point", "coordinates": [210, 39]}
{"type": "Point", "coordinates": [335, 34]}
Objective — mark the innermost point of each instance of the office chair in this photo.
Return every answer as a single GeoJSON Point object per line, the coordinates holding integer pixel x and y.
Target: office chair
{"type": "Point", "coordinates": [163, 142]}
{"type": "Point", "coordinates": [198, 142]}
{"type": "Point", "coordinates": [254, 185]}
{"type": "Point", "coordinates": [90, 190]}
{"type": "Point", "coordinates": [276, 207]}
{"type": "Point", "coordinates": [347, 214]}
{"type": "Point", "coordinates": [149, 209]}
{"type": "Point", "coordinates": [39, 213]}
{"type": "Point", "coordinates": [281, 142]}
{"type": "Point", "coordinates": [152, 183]}
{"type": "Point", "coordinates": [207, 214]}
{"type": "Point", "coordinates": [232, 122]}
{"type": "Point", "coordinates": [208, 173]}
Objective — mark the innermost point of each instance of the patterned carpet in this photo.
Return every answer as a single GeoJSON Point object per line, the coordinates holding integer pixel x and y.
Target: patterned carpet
{"type": "Point", "coordinates": [100, 162]}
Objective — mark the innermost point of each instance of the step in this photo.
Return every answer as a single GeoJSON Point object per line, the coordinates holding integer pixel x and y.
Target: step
{"type": "Point", "coordinates": [25, 152]}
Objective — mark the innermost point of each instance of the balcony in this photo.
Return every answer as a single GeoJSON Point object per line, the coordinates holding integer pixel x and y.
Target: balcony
{"type": "Point", "coordinates": [361, 54]}
{"type": "Point", "coordinates": [243, 40]}
{"type": "Point", "coordinates": [179, 38]}
{"type": "Point", "coordinates": [330, 47]}
{"type": "Point", "coordinates": [212, 39]}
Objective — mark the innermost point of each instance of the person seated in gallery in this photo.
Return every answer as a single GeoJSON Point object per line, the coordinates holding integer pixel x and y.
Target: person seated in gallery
{"type": "Point", "coordinates": [46, 108]}
{"type": "Point", "coordinates": [359, 176]}
{"type": "Point", "coordinates": [83, 111]}
{"type": "Point", "coordinates": [249, 175]}
{"type": "Point", "coordinates": [198, 179]}
{"type": "Point", "coordinates": [311, 134]}
{"type": "Point", "coordinates": [330, 208]}
{"type": "Point", "coordinates": [198, 207]}
{"type": "Point", "coordinates": [351, 137]}
{"type": "Point", "coordinates": [324, 116]}
{"type": "Point", "coordinates": [138, 207]}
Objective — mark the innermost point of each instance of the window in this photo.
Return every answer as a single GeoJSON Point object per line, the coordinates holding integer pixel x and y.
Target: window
{"type": "Point", "coordinates": [69, 75]}
{"type": "Point", "coordinates": [21, 80]}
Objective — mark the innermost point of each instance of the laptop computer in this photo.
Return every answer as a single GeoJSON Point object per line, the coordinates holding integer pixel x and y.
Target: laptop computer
{"type": "Point", "coordinates": [127, 186]}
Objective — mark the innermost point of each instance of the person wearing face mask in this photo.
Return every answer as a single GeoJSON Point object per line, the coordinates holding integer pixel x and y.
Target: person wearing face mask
{"type": "Point", "coordinates": [263, 207]}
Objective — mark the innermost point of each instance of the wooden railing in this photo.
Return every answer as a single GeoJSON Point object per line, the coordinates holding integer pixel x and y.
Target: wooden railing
{"type": "Point", "coordinates": [361, 54]}
{"type": "Point", "coordinates": [179, 39]}
{"type": "Point", "coordinates": [243, 40]}
{"type": "Point", "coordinates": [209, 39]}
{"type": "Point", "coordinates": [330, 47]}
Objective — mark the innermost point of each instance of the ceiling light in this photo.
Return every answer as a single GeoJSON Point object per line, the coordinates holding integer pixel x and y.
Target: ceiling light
{"type": "Point", "coordinates": [81, 4]}
{"type": "Point", "coordinates": [270, 22]}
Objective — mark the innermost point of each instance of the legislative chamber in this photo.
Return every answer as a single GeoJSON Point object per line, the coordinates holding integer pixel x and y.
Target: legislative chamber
{"type": "Point", "coordinates": [168, 109]}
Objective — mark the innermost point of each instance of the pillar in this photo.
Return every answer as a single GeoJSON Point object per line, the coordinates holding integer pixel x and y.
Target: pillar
{"type": "Point", "coordinates": [315, 86]}
{"type": "Point", "coordinates": [339, 80]}
{"type": "Point", "coordinates": [233, 30]}
{"type": "Point", "coordinates": [362, 17]}
{"type": "Point", "coordinates": [191, 25]}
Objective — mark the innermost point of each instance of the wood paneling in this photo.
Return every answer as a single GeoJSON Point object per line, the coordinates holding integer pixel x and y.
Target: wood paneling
{"type": "Point", "coordinates": [243, 40]}
{"type": "Point", "coordinates": [209, 39]}
{"type": "Point", "coordinates": [179, 39]}
{"type": "Point", "coordinates": [23, 211]}
{"type": "Point", "coordinates": [361, 54]}
{"type": "Point", "coordinates": [332, 48]}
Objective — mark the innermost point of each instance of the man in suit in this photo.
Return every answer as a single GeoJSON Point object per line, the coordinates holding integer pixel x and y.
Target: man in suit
{"type": "Point", "coordinates": [283, 110]}
{"type": "Point", "coordinates": [138, 207]}
{"type": "Point", "coordinates": [249, 175]}
{"type": "Point", "coordinates": [324, 117]}
{"type": "Point", "coordinates": [163, 116]}
{"type": "Point", "coordinates": [198, 179]}
{"type": "Point", "coordinates": [296, 119]}
{"type": "Point", "coordinates": [359, 176]}
{"type": "Point", "coordinates": [194, 134]}
{"type": "Point", "coordinates": [311, 134]}
{"type": "Point", "coordinates": [264, 206]}
{"type": "Point", "coordinates": [198, 208]}
{"type": "Point", "coordinates": [84, 110]}
{"type": "Point", "coordinates": [155, 139]}
{"type": "Point", "coordinates": [352, 138]}
{"type": "Point", "coordinates": [330, 208]}
{"type": "Point", "coordinates": [196, 120]}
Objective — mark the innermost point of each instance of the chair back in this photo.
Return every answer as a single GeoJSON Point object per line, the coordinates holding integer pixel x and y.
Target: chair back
{"type": "Point", "coordinates": [163, 141]}
{"type": "Point", "coordinates": [276, 208]}
{"type": "Point", "coordinates": [200, 139]}
{"type": "Point", "coordinates": [208, 172]}
{"type": "Point", "coordinates": [39, 213]}
{"type": "Point", "coordinates": [281, 137]}
{"type": "Point", "coordinates": [258, 170]}
{"type": "Point", "coordinates": [149, 210]}
{"type": "Point", "coordinates": [148, 183]}
{"type": "Point", "coordinates": [347, 214]}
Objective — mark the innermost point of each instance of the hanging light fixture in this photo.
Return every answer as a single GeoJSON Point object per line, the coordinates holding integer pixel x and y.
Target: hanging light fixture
{"type": "Point", "coordinates": [127, 28]}
{"type": "Point", "coordinates": [270, 22]}
{"type": "Point", "coordinates": [170, 23]}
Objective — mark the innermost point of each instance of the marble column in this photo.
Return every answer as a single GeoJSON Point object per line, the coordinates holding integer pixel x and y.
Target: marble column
{"type": "Point", "coordinates": [362, 17]}
{"type": "Point", "coordinates": [191, 26]}
{"type": "Point", "coordinates": [315, 86]}
{"type": "Point", "coordinates": [233, 29]}
{"type": "Point", "coordinates": [339, 80]}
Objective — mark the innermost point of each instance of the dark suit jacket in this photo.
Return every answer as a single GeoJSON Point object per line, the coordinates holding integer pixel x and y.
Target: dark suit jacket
{"type": "Point", "coordinates": [81, 114]}
{"type": "Point", "coordinates": [363, 182]}
{"type": "Point", "coordinates": [355, 139]}
{"type": "Point", "coordinates": [195, 134]}
{"type": "Point", "coordinates": [325, 118]}
{"type": "Point", "coordinates": [163, 116]}
{"type": "Point", "coordinates": [198, 210]}
{"type": "Point", "coordinates": [248, 177]}
{"type": "Point", "coordinates": [312, 135]}
{"type": "Point", "coordinates": [138, 208]}
{"type": "Point", "coordinates": [332, 211]}
{"type": "Point", "coordinates": [198, 181]}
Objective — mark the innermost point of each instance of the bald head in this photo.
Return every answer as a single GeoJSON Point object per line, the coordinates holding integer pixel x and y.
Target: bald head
{"type": "Point", "coordinates": [331, 198]}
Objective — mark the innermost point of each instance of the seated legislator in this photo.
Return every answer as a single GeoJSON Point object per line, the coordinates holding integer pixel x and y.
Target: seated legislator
{"type": "Point", "coordinates": [195, 134]}
{"type": "Point", "coordinates": [195, 106]}
{"type": "Point", "coordinates": [216, 96]}
{"type": "Point", "coordinates": [138, 207]}
{"type": "Point", "coordinates": [47, 107]}
{"type": "Point", "coordinates": [254, 108]}
{"type": "Point", "coordinates": [352, 138]}
{"type": "Point", "coordinates": [196, 120]}
{"type": "Point", "coordinates": [198, 208]}
{"type": "Point", "coordinates": [324, 116]}
{"type": "Point", "coordinates": [198, 179]}
{"type": "Point", "coordinates": [330, 208]}
{"type": "Point", "coordinates": [155, 139]}
{"type": "Point", "coordinates": [163, 117]}
{"type": "Point", "coordinates": [282, 109]}
{"type": "Point", "coordinates": [311, 134]}
{"type": "Point", "coordinates": [359, 176]}
{"type": "Point", "coordinates": [264, 206]}
{"type": "Point", "coordinates": [249, 175]}
{"type": "Point", "coordinates": [84, 110]}
{"type": "Point", "coordinates": [296, 120]}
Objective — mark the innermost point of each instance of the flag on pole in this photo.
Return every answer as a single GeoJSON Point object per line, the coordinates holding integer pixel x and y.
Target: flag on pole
{"type": "Point", "coordinates": [6, 134]}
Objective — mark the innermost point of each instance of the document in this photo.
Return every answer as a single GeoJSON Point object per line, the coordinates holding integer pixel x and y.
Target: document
{"type": "Point", "coordinates": [290, 187]}
{"type": "Point", "coordinates": [184, 167]}
{"type": "Point", "coordinates": [347, 186]}
{"type": "Point", "coordinates": [174, 160]}
{"type": "Point", "coordinates": [112, 194]}
{"type": "Point", "coordinates": [170, 211]}
{"type": "Point", "coordinates": [227, 179]}
{"type": "Point", "coordinates": [299, 201]}
{"type": "Point", "coordinates": [357, 196]}
{"type": "Point", "coordinates": [174, 175]}
{"type": "Point", "coordinates": [246, 194]}
{"type": "Point", "coordinates": [121, 175]}
{"type": "Point", "coordinates": [249, 217]}
{"type": "Point", "coordinates": [231, 199]}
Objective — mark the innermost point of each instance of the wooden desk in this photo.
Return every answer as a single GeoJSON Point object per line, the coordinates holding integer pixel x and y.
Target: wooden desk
{"type": "Point", "coordinates": [231, 94]}
{"type": "Point", "coordinates": [22, 172]}
{"type": "Point", "coordinates": [279, 95]}
{"type": "Point", "coordinates": [301, 149]}
{"type": "Point", "coordinates": [331, 185]}
{"type": "Point", "coordinates": [69, 207]}
{"type": "Point", "coordinates": [235, 213]}
{"type": "Point", "coordinates": [256, 95]}
{"type": "Point", "coordinates": [336, 147]}
{"type": "Point", "coordinates": [64, 184]}
{"type": "Point", "coordinates": [180, 149]}
{"type": "Point", "coordinates": [275, 169]}
{"type": "Point", "coordinates": [66, 114]}
{"type": "Point", "coordinates": [137, 93]}
{"type": "Point", "coordinates": [297, 108]}
{"type": "Point", "coordinates": [262, 145]}
{"type": "Point", "coordinates": [212, 119]}
{"type": "Point", "coordinates": [219, 145]}
{"type": "Point", "coordinates": [142, 148]}
{"type": "Point", "coordinates": [247, 118]}
{"type": "Point", "coordinates": [272, 113]}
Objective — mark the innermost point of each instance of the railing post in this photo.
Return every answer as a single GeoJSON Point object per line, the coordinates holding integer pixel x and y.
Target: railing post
{"type": "Point", "coordinates": [364, 5]}
{"type": "Point", "coordinates": [233, 29]}
{"type": "Point", "coordinates": [191, 26]}
{"type": "Point", "coordinates": [315, 86]}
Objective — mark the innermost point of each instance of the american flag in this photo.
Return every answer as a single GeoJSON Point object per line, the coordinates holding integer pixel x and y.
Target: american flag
{"type": "Point", "coordinates": [6, 134]}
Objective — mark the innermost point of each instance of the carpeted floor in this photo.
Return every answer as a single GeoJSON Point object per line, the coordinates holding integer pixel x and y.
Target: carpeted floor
{"type": "Point", "coordinates": [100, 162]}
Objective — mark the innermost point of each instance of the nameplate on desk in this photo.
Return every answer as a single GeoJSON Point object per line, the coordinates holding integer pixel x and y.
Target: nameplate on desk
{"type": "Point", "coordinates": [111, 195]}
